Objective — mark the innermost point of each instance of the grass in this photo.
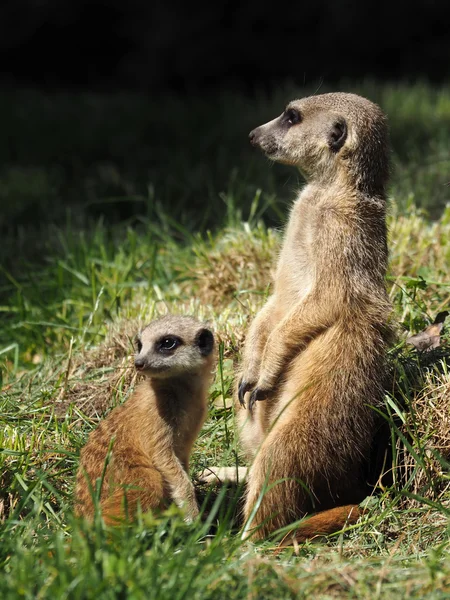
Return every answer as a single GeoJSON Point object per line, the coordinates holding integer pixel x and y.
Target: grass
{"type": "Point", "coordinates": [74, 292]}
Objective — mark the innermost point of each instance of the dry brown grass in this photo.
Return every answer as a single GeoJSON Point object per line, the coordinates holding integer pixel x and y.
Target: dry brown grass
{"type": "Point", "coordinates": [416, 243]}
{"type": "Point", "coordinates": [239, 263]}
{"type": "Point", "coordinates": [423, 451]}
{"type": "Point", "coordinates": [94, 376]}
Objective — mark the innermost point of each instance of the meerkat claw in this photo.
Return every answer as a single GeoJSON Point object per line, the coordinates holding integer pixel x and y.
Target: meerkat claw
{"type": "Point", "coordinates": [244, 387]}
{"type": "Point", "coordinates": [252, 400]}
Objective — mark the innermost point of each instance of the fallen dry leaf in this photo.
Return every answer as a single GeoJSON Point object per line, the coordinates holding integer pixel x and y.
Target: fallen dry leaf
{"type": "Point", "coordinates": [430, 337]}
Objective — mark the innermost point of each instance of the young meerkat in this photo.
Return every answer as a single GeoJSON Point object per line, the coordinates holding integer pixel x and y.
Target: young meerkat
{"type": "Point", "coordinates": [313, 364]}
{"type": "Point", "coordinates": [149, 438]}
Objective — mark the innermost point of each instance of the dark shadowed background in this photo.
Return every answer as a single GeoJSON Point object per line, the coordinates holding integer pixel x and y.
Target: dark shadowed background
{"type": "Point", "coordinates": [155, 45]}
{"type": "Point", "coordinates": [110, 108]}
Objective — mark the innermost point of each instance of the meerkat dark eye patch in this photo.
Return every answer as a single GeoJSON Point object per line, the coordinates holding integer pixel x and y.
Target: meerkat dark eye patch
{"type": "Point", "coordinates": [167, 344]}
{"type": "Point", "coordinates": [291, 117]}
{"type": "Point", "coordinates": [138, 343]}
{"type": "Point", "coordinates": [337, 135]}
{"type": "Point", "coordinates": [205, 341]}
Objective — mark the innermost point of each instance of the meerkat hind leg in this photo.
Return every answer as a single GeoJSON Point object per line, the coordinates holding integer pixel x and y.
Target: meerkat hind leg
{"type": "Point", "coordinates": [213, 475]}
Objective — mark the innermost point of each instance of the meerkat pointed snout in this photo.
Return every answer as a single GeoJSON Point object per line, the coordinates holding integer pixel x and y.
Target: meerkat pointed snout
{"type": "Point", "coordinates": [142, 448]}
{"type": "Point", "coordinates": [253, 137]}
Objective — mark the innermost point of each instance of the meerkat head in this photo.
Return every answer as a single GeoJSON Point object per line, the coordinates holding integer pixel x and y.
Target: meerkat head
{"type": "Point", "coordinates": [327, 135]}
{"type": "Point", "coordinates": [174, 346]}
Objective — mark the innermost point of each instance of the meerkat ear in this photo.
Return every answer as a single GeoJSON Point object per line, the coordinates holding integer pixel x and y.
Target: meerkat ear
{"type": "Point", "coordinates": [337, 135]}
{"type": "Point", "coordinates": [205, 341]}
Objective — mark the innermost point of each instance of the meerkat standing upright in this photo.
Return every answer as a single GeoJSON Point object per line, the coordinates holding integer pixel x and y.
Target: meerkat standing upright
{"type": "Point", "coordinates": [314, 358]}
{"type": "Point", "coordinates": [150, 436]}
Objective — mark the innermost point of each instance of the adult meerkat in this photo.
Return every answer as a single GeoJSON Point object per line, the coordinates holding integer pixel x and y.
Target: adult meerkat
{"type": "Point", "coordinates": [314, 358]}
{"type": "Point", "coordinates": [149, 438]}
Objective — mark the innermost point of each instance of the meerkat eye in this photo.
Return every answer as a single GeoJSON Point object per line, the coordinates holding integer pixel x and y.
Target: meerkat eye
{"type": "Point", "coordinates": [168, 344]}
{"type": "Point", "coordinates": [138, 345]}
{"type": "Point", "coordinates": [292, 116]}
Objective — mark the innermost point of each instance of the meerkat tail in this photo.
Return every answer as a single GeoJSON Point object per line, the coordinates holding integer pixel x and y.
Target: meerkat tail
{"type": "Point", "coordinates": [323, 523]}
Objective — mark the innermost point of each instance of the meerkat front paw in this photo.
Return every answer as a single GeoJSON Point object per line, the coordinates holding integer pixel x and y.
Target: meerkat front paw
{"type": "Point", "coordinates": [257, 392]}
{"type": "Point", "coordinates": [249, 378]}
{"type": "Point", "coordinates": [191, 511]}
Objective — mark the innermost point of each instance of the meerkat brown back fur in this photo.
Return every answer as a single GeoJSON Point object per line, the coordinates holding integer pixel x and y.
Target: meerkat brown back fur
{"type": "Point", "coordinates": [150, 437]}
{"type": "Point", "coordinates": [313, 365]}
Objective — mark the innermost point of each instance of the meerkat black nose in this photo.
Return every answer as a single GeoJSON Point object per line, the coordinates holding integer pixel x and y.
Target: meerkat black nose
{"type": "Point", "coordinates": [139, 362]}
{"type": "Point", "coordinates": [253, 137]}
